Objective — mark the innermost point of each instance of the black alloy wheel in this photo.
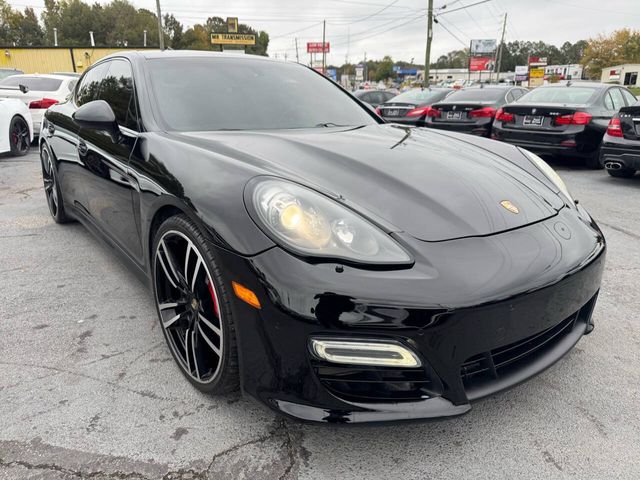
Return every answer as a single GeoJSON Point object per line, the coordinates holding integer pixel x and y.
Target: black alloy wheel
{"type": "Point", "coordinates": [19, 136]}
{"type": "Point", "coordinates": [192, 307]}
{"type": "Point", "coordinates": [51, 187]}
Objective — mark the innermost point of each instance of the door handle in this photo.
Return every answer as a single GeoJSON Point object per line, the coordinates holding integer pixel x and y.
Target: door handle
{"type": "Point", "coordinates": [82, 148]}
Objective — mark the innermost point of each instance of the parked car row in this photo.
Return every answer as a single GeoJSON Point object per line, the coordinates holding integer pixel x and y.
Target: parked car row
{"type": "Point", "coordinates": [599, 123]}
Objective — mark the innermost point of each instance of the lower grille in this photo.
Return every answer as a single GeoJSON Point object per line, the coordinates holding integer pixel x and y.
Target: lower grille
{"type": "Point", "coordinates": [489, 366]}
{"type": "Point", "coordinates": [375, 384]}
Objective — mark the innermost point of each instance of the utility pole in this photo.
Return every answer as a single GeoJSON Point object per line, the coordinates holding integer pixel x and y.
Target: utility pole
{"type": "Point", "coordinates": [297, 57]}
{"type": "Point", "coordinates": [55, 37]}
{"type": "Point", "coordinates": [324, 52]}
{"type": "Point", "coordinates": [160, 35]}
{"type": "Point", "coordinates": [144, 42]}
{"type": "Point", "coordinates": [366, 70]}
{"type": "Point", "coordinates": [504, 26]}
{"type": "Point", "coordinates": [427, 55]}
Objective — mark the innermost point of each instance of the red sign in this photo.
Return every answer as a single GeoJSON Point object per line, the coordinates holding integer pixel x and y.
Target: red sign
{"type": "Point", "coordinates": [538, 61]}
{"type": "Point", "coordinates": [316, 47]}
{"type": "Point", "coordinates": [478, 64]}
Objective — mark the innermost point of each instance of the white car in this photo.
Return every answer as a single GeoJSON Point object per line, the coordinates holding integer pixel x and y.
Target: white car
{"type": "Point", "coordinates": [38, 92]}
{"type": "Point", "coordinates": [16, 127]}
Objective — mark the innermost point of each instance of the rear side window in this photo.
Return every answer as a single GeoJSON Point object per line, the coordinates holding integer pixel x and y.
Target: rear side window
{"type": "Point", "coordinates": [33, 83]}
{"type": "Point", "coordinates": [90, 84]}
{"type": "Point", "coordinates": [628, 96]}
{"type": "Point", "coordinates": [613, 99]}
{"type": "Point", "coordinates": [117, 90]}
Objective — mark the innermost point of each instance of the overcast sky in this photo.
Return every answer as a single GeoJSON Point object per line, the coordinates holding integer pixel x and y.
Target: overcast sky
{"type": "Point", "coordinates": [398, 27]}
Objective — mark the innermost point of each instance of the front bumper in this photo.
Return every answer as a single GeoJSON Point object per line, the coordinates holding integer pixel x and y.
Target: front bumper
{"type": "Point", "coordinates": [462, 307]}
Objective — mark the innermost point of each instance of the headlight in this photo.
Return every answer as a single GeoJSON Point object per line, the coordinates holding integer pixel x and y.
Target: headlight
{"type": "Point", "coordinates": [549, 172]}
{"type": "Point", "coordinates": [310, 223]}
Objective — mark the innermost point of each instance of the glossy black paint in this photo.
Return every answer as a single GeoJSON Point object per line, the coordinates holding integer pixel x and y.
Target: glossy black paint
{"type": "Point", "coordinates": [480, 126]}
{"type": "Point", "coordinates": [580, 141]}
{"type": "Point", "coordinates": [373, 97]}
{"type": "Point", "coordinates": [482, 277]}
{"type": "Point", "coordinates": [618, 153]}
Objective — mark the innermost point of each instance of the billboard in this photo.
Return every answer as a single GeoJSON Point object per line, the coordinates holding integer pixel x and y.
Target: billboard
{"type": "Point", "coordinates": [537, 61]}
{"type": "Point", "coordinates": [317, 47]}
{"type": "Point", "coordinates": [522, 73]}
{"type": "Point", "coordinates": [404, 70]}
{"type": "Point", "coordinates": [232, 39]}
{"type": "Point", "coordinates": [359, 72]}
{"type": "Point", "coordinates": [480, 64]}
{"type": "Point", "coordinates": [487, 45]}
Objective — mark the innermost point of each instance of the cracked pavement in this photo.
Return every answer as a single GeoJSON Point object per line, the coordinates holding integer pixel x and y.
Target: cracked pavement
{"type": "Point", "coordinates": [88, 388]}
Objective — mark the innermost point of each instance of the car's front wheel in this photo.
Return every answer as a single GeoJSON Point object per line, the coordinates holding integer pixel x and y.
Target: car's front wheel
{"type": "Point", "coordinates": [193, 306]}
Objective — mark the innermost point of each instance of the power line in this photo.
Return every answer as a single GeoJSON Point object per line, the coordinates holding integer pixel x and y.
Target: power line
{"type": "Point", "coordinates": [439, 22]}
{"type": "Point", "coordinates": [463, 8]}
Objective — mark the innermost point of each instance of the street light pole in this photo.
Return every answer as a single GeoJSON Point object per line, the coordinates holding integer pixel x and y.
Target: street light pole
{"type": "Point", "coordinates": [427, 55]}
{"type": "Point", "coordinates": [160, 35]}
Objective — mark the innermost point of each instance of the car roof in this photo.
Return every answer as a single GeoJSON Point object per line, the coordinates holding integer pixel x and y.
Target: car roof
{"type": "Point", "coordinates": [580, 84]}
{"type": "Point", "coordinates": [43, 75]}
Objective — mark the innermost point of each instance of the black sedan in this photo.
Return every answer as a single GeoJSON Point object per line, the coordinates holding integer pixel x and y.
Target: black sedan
{"type": "Point", "coordinates": [471, 110]}
{"type": "Point", "coordinates": [413, 106]}
{"type": "Point", "coordinates": [620, 151]}
{"type": "Point", "coordinates": [373, 97]}
{"type": "Point", "coordinates": [562, 119]}
{"type": "Point", "coordinates": [338, 268]}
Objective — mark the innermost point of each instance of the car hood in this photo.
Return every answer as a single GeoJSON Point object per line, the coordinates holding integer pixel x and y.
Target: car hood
{"type": "Point", "coordinates": [429, 185]}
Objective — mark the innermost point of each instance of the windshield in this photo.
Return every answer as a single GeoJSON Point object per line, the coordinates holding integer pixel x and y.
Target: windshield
{"type": "Point", "coordinates": [476, 95]}
{"type": "Point", "coordinates": [560, 94]}
{"type": "Point", "coordinates": [33, 83]}
{"type": "Point", "coordinates": [419, 96]}
{"type": "Point", "coordinates": [205, 94]}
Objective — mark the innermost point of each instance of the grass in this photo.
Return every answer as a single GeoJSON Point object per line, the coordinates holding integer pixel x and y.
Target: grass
{"type": "Point", "coordinates": [635, 91]}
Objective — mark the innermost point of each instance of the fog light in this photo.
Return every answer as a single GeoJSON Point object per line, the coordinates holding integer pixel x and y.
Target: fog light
{"type": "Point", "coordinates": [364, 352]}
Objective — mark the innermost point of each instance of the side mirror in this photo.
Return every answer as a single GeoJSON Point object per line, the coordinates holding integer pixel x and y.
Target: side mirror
{"type": "Point", "coordinates": [97, 115]}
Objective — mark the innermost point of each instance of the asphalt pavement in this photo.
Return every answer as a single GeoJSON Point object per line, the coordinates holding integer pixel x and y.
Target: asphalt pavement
{"type": "Point", "coordinates": [88, 388]}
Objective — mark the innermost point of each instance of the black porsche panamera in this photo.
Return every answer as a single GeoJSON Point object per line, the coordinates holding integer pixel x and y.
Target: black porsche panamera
{"type": "Point", "coordinates": [338, 268]}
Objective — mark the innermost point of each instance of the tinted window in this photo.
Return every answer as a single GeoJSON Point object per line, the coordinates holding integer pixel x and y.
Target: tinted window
{"type": "Point", "coordinates": [419, 96]}
{"type": "Point", "coordinates": [476, 95]}
{"type": "Point", "coordinates": [617, 98]}
{"type": "Point", "coordinates": [629, 97]}
{"type": "Point", "coordinates": [117, 90]}
{"type": "Point", "coordinates": [34, 83]}
{"type": "Point", "coordinates": [90, 84]}
{"type": "Point", "coordinates": [511, 96]}
{"type": "Point", "coordinates": [215, 93]}
{"type": "Point", "coordinates": [560, 94]}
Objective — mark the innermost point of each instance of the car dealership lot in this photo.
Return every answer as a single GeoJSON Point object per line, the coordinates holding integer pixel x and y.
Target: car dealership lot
{"type": "Point", "coordinates": [88, 387]}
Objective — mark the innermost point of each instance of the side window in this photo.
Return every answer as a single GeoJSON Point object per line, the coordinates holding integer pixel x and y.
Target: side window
{"type": "Point", "coordinates": [117, 91]}
{"type": "Point", "coordinates": [608, 102]}
{"type": "Point", "coordinates": [618, 99]}
{"type": "Point", "coordinates": [628, 96]}
{"type": "Point", "coordinates": [511, 96]}
{"type": "Point", "coordinates": [90, 84]}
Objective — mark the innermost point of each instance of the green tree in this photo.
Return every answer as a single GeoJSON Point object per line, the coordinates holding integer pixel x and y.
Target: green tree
{"type": "Point", "coordinates": [384, 69]}
{"type": "Point", "coordinates": [622, 46]}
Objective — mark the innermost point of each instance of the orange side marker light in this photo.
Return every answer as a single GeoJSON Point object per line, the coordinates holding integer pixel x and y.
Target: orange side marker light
{"type": "Point", "coordinates": [246, 295]}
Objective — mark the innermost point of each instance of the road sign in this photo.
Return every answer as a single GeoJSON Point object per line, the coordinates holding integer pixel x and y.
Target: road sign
{"type": "Point", "coordinates": [537, 61]}
{"type": "Point", "coordinates": [316, 47]}
{"type": "Point", "coordinates": [359, 72]}
{"type": "Point", "coordinates": [486, 45]}
{"type": "Point", "coordinates": [233, 39]}
{"type": "Point", "coordinates": [536, 73]}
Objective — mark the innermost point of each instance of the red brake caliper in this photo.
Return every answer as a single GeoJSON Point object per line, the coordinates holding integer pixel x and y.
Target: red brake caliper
{"type": "Point", "coordinates": [213, 299]}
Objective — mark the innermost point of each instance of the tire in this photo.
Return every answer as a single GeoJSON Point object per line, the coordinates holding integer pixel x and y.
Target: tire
{"type": "Point", "coordinates": [593, 160]}
{"type": "Point", "coordinates": [19, 137]}
{"type": "Point", "coordinates": [52, 187]}
{"type": "Point", "coordinates": [193, 307]}
{"type": "Point", "coordinates": [622, 172]}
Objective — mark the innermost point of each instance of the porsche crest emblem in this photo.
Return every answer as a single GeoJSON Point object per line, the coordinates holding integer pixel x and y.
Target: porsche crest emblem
{"type": "Point", "coordinates": [509, 206]}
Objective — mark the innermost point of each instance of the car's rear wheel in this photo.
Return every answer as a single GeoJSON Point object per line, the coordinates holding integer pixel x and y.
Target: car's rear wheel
{"type": "Point", "coordinates": [19, 137]}
{"type": "Point", "coordinates": [623, 172]}
{"type": "Point", "coordinates": [193, 307]}
{"type": "Point", "coordinates": [52, 187]}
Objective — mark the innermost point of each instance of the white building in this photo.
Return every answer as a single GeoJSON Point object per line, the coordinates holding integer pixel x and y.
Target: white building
{"type": "Point", "coordinates": [628, 74]}
{"type": "Point", "coordinates": [564, 72]}
{"type": "Point", "coordinates": [452, 74]}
